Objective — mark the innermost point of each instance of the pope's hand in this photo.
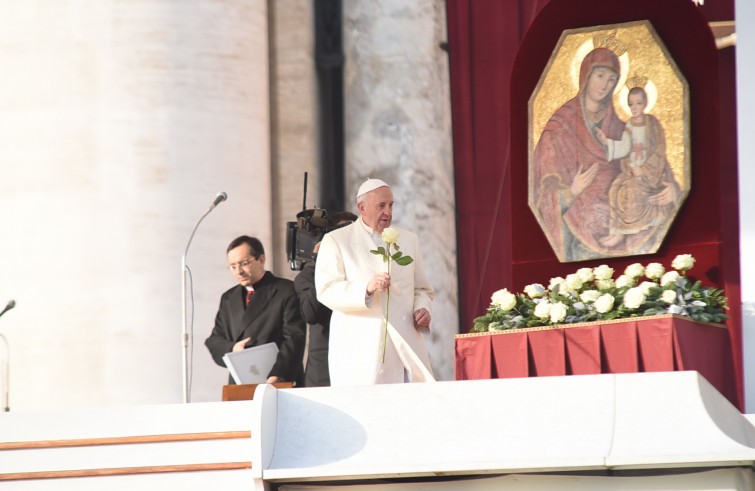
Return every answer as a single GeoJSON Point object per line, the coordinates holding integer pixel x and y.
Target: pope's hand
{"type": "Point", "coordinates": [380, 283]}
{"type": "Point", "coordinates": [422, 319]}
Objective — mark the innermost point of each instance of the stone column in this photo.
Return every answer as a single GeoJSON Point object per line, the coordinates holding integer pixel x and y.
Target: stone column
{"type": "Point", "coordinates": [398, 128]}
{"type": "Point", "coordinates": [293, 99]}
{"type": "Point", "coordinates": [121, 122]}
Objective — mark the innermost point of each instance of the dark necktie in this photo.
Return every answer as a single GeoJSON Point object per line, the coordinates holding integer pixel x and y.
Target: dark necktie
{"type": "Point", "coordinates": [249, 294]}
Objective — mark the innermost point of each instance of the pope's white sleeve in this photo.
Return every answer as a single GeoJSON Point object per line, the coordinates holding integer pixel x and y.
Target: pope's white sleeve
{"type": "Point", "coordinates": [334, 289]}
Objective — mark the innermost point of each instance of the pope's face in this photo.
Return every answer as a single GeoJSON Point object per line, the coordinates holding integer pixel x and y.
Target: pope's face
{"type": "Point", "coordinates": [377, 208]}
{"type": "Point", "coordinates": [601, 83]}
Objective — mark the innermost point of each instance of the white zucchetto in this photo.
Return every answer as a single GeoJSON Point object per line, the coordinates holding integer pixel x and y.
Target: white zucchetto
{"type": "Point", "coordinates": [370, 185]}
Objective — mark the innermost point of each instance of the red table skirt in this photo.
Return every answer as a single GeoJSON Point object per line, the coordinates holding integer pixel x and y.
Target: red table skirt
{"type": "Point", "coordinates": [646, 344]}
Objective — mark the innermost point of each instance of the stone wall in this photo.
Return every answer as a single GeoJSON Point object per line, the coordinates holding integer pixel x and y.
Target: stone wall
{"type": "Point", "coordinates": [121, 122]}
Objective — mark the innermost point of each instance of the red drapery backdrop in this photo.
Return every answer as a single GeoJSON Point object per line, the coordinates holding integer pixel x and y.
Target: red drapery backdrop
{"type": "Point", "coordinates": [500, 244]}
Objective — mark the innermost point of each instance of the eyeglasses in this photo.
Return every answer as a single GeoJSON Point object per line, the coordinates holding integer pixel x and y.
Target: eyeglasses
{"type": "Point", "coordinates": [240, 265]}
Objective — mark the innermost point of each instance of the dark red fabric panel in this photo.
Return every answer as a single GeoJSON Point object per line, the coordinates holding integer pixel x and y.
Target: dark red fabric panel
{"type": "Point", "coordinates": [708, 351]}
{"type": "Point", "coordinates": [483, 37]}
{"type": "Point", "coordinates": [620, 348]}
{"type": "Point", "coordinates": [583, 353]}
{"type": "Point", "coordinates": [547, 353]}
{"type": "Point", "coordinates": [655, 342]}
{"type": "Point", "coordinates": [729, 274]}
{"type": "Point", "coordinates": [473, 358]}
{"type": "Point", "coordinates": [510, 355]}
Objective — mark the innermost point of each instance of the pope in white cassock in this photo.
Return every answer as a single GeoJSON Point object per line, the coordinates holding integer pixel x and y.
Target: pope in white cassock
{"type": "Point", "coordinates": [354, 283]}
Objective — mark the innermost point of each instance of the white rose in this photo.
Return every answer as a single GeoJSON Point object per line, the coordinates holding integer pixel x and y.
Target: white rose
{"type": "Point", "coordinates": [624, 280]}
{"type": "Point", "coordinates": [558, 312]}
{"type": "Point", "coordinates": [573, 282]}
{"type": "Point", "coordinates": [504, 300]}
{"type": "Point", "coordinates": [635, 270]}
{"type": "Point", "coordinates": [669, 278]}
{"type": "Point", "coordinates": [535, 290]}
{"type": "Point", "coordinates": [390, 235]}
{"type": "Point", "coordinates": [645, 286]}
{"type": "Point", "coordinates": [585, 274]}
{"type": "Point", "coordinates": [555, 282]}
{"type": "Point", "coordinates": [543, 310]}
{"type": "Point", "coordinates": [669, 296]}
{"type": "Point", "coordinates": [683, 262]}
{"type": "Point", "coordinates": [589, 295]}
{"type": "Point", "coordinates": [605, 284]}
{"type": "Point", "coordinates": [604, 303]}
{"type": "Point", "coordinates": [603, 272]}
{"type": "Point", "coordinates": [654, 270]}
{"type": "Point", "coordinates": [633, 298]}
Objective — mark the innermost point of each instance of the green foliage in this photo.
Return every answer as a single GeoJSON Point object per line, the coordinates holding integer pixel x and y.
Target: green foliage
{"type": "Point", "coordinates": [402, 260]}
{"type": "Point", "coordinates": [397, 256]}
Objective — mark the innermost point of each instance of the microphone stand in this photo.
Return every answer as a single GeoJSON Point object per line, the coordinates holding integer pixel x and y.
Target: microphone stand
{"type": "Point", "coordinates": [6, 368]}
{"type": "Point", "coordinates": [184, 333]}
{"type": "Point", "coordinates": [6, 374]}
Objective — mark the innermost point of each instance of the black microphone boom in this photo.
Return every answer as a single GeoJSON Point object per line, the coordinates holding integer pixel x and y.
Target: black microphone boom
{"type": "Point", "coordinates": [8, 306]}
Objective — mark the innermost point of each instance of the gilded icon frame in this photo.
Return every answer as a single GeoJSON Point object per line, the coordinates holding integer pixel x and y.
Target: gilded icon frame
{"type": "Point", "coordinates": [637, 186]}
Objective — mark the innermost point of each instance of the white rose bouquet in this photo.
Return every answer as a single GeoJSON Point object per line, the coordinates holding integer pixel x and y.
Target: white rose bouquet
{"type": "Point", "coordinates": [593, 295]}
{"type": "Point", "coordinates": [390, 253]}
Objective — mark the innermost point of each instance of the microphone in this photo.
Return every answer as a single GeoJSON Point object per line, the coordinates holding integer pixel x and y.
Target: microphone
{"type": "Point", "coordinates": [222, 196]}
{"type": "Point", "coordinates": [8, 306]}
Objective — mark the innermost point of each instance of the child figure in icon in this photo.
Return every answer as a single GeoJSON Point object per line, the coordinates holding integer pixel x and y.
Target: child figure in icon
{"type": "Point", "coordinates": [642, 196]}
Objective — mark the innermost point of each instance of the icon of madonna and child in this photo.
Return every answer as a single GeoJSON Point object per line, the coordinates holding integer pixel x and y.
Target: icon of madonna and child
{"type": "Point", "coordinates": [608, 168]}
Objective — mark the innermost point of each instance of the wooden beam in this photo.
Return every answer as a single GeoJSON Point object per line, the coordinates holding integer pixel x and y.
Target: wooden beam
{"type": "Point", "coordinates": [122, 471]}
{"type": "Point", "coordinates": [125, 440]}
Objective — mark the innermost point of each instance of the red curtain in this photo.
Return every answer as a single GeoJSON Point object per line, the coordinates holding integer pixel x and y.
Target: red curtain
{"type": "Point", "coordinates": [484, 37]}
{"type": "Point", "coordinates": [499, 242]}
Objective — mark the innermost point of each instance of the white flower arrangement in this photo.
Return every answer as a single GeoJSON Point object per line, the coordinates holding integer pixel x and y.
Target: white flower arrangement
{"type": "Point", "coordinates": [592, 294]}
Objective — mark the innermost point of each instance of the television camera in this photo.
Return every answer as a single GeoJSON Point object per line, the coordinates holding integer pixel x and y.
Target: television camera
{"type": "Point", "coordinates": [303, 234]}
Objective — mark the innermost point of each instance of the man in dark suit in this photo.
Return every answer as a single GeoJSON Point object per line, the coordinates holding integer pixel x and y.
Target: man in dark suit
{"type": "Point", "coordinates": [261, 309]}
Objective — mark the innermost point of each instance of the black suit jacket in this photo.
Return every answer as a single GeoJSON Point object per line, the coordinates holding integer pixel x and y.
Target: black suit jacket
{"type": "Point", "coordinates": [272, 316]}
{"type": "Point", "coordinates": [317, 316]}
